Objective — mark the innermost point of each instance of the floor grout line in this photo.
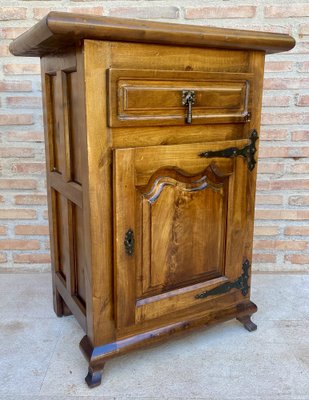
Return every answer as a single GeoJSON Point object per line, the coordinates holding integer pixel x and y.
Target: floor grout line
{"type": "Point", "coordinates": [50, 358]}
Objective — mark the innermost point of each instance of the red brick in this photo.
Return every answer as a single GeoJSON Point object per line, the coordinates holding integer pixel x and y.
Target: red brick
{"type": "Point", "coordinates": [286, 83]}
{"type": "Point", "coordinates": [270, 168]}
{"type": "Point", "coordinates": [31, 230]}
{"type": "Point", "coordinates": [3, 230]}
{"type": "Point", "coordinates": [10, 184]}
{"type": "Point", "coordinates": [18, 213]}
{"type": "Point", "coordinates": [4, 50]}
{"type": "Point", "coordinates": [296, 231]}
{"type": "Point", "coordinates": [300, 168]}
{"type": "Point", "coordinates": [276, 101]}
{"type": "Point", "coordinates": [303, 66]}
{"type": "Point", "coordinates": [280, 244]}
{"type": "Point", "coordinates": [21, 69]}
{"type": "Point", "coordinates": [299, 200]}
{"type": "Point", "coordinates": [87, 10]}
{"type": "Point", "coordinates": [292, 184]}
{"type": "Point", "coordinates": [145, 12]}
{"type": "Point", "coordinates": [302, 101]}
{"type": "Point", "coordinates": [11, 32]}
{"type": "Point", "coordinates": [16, 119]}
{"type": "Point", "coordinates": [31, 258]}
{"type": "Point", "coordinates": [3, 258]}
{"type": "Point", "coordinates": [28, 168]}
{"type": "Point", "coordinates": [9, 13]}
{"type": "Point", "coordinates": [284, 152]}
{"type": "Point", "coordinates": [288, 11]}
{"type": "Point", "coordinates": [17, 244]}
{"type": "Point", "coordinates": [278, 66]}
{"type": "Point", "coordinates": [282, 214]}
{"type": "Point", "coordinates": [11, 152]}
{"type": "Point", "coordinates": [11, 86]}
{"type": "Point", "coordinates": [297, 258]}
{"type": "Point", "coordinates": [300, 136]}
{"type": "Point", "coordinates": [268, 199]}
{"type": "Point", "coordinates": [25, 136]}
{"type": "Point", "coordinates": [262, 185]}
{"type": "Point", "coordinates": [274, 134]}
{"type": "Point", "coordinates": [266, 230]}
{"type": "Point", "coordinates": [37, 199]}
{"type": "Point", "coordinates": [39, 13]}
{"type": "Point", "coordinates": [285, 118]}
{"type": "Point", "coordinates": [264, 258]}
{"type": "Point", "coordinates": [220, 12]}
{"type": "Point", "coordinates": [25, 102]}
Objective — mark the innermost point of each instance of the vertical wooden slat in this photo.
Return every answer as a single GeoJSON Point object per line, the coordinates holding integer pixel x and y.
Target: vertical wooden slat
{"type": "Point", "coordinates": [66, 126]}
{"type": "Point", "coordinates": [97, 192]}
{"type": "Point", "coordinates": [124, 220]}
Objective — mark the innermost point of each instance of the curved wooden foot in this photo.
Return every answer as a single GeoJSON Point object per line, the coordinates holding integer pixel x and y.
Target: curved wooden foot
{"type": "Point", "coordinates": [94, 376]}
{"type": "Point", "coordinates": [247, 323]}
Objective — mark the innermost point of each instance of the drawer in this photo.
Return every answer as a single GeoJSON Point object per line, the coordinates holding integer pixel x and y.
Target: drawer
{"type": "Point", "coordinates": [148, 97]}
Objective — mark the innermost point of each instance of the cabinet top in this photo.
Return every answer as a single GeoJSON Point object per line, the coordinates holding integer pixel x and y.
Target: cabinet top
{"type": "Point", "coordinates": [60, 29]}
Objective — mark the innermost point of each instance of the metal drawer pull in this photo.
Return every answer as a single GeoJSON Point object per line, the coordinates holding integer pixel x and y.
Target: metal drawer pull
{"type": "Point", "coordinates": [188, 99]}
{"type": "Point", "coordinates": [129, 242]}
{"type": "Point", "coordinates": [246, 152]}
{"type": "Point", "coordinates": [241, 283]}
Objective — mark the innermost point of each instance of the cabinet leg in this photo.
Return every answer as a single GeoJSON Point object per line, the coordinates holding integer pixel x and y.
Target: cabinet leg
{"type": "Point", "coordinates": [247, 323]}
{"type": "Point", "coordinates": [60, 308]}
{"type": "Point", "coordinates": [94, 376]}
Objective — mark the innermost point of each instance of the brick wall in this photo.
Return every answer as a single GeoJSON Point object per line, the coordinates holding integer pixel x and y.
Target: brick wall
{"type": "Point", "coordinates": [282, 211]}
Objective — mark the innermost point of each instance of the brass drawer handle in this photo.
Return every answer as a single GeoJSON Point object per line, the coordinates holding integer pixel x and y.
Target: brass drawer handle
{"type": "Point", "coordinates": [188, 99]}
{"type": "Point", "coordinates": [246, 152]}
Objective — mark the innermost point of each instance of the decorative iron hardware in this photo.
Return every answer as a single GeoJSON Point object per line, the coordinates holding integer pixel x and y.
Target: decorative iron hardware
{"type": "Point", "coordinates": [188, 99]}
{"type": "Point", "coordinates": [129, 242]}
{"type": "Point", "coordinates": [248, 116]}
{"type": "Point", "coordinates": [246, 152]}
{"type": "Point", "coordinates": [241, 283]}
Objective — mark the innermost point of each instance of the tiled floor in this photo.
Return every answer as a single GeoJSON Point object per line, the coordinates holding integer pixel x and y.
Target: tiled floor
{"type": "Point", "coordinates": [40, 358]}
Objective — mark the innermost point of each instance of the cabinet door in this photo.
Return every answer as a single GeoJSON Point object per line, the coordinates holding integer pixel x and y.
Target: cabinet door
{"type": "Point", "coordinates": [179, 222]}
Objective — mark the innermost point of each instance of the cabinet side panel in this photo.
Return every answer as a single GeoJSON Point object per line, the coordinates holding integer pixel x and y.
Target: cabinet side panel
{"type": "Point", "coordinates": [99, 191]}
{"type": "Point", "coordinates": [65, 183]}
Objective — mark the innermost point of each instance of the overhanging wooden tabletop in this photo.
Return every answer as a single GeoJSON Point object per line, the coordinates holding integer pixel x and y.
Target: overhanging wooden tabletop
{"type": "Point", "coordinates": [60, 29]}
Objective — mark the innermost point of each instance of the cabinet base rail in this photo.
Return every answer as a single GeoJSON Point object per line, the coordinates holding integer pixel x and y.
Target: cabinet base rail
{"type": "Point", "coordinates": [97, 356]}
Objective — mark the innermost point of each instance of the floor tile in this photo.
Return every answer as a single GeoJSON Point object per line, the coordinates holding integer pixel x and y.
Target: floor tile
{"type": "Point", "coordinates": [222, 362]}
{"type": "Point", "coordinates": [26, 347]}
{"type": "Point", "coordinates": [26, 296]}
{"type": "Point", "coordinates": [281, 297]}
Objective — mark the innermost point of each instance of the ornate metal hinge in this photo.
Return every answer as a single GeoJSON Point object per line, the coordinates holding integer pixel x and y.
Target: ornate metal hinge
{"type": "Point", "coordinates": [246, 152]}
{"type": "Point", "coordinates": [188, 99]}
{"type": "Point", "coordinates": [129, 242]}
{"type": "Point", "coordinates": [241, 283]}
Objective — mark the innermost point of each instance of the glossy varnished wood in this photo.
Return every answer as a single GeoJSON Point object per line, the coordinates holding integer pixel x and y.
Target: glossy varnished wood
{"type": "Point", "coordinates": [123, 160]}
{"type": "Point", "coordinates": [59, 29]}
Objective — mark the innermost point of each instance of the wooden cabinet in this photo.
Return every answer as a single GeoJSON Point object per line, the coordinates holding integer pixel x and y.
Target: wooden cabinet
{"type": "Point", "coordinates": [151, 144]}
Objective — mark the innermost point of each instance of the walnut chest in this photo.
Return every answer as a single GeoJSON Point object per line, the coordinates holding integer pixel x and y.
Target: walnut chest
{"type": "Point", "coordinates": [152, 133]}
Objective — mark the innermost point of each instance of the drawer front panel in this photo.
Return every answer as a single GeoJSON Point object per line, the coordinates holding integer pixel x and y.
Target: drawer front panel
{"type": "Point", "coordinates": [146, 97]}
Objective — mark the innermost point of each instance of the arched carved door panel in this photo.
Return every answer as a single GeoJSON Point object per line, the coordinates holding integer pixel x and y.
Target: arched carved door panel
{"type": "Point", "coordinates": [174, 219]}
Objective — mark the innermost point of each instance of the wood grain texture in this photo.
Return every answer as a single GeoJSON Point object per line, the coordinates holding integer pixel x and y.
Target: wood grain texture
{"type": "Point", "coordinates": [150, 97]}
{"type": "Point", "coordinates": [59, 29]}
{"type": "Point", "coordinates": [121, 158]}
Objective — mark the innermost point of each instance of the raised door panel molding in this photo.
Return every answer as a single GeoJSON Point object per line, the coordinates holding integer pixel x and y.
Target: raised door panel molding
{"type": "Point", "coordinates": [147, 97]}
